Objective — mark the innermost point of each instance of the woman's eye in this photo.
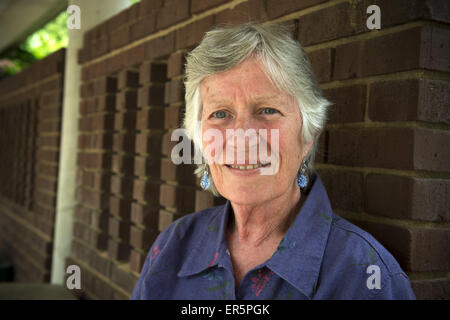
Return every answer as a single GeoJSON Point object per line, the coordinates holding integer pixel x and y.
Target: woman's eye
{"type": "Point", "coordinates": [269, 111]}
{"type": "Point", "coordinates": [219, 114]}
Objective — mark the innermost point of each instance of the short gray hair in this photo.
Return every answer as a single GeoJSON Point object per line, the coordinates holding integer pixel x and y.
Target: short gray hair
{"type": "Point", "coordinates": [285, 63]}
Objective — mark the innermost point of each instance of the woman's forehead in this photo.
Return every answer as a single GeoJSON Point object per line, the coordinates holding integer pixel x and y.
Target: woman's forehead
{"type": "Point", "coordinates": [246, 79]}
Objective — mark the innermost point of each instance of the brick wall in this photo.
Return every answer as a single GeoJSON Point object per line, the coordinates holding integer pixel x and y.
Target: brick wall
{"type": "Point", "coordinates": [30, 120]}
{"type": "Point", "coordinates": [384, 157]}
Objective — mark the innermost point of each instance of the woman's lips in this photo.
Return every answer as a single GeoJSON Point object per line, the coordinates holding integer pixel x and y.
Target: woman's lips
{"type": "Point", "coordinates": [245, 170]}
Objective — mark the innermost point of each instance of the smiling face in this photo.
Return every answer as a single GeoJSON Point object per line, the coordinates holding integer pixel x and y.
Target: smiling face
{"type": "Point", "coordinates": [244, 98]}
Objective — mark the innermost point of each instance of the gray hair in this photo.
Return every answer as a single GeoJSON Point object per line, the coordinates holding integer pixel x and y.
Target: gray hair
{"type": "Point", "coordinates": [285, 63]}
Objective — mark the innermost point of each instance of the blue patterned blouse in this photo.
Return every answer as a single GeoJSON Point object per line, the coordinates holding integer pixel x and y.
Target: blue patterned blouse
{"type": "Point", "coordinates": [321, 256]}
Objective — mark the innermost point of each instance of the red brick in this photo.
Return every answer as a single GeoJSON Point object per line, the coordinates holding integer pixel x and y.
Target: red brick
{"type": "Point", "coordinates": [118, 250]}
{"type": "Point", "coordinates": [99, 47]}
{"type": "Point", "coordinates": [182, 173]}
{"type": "Point", "coordinates": [143, 27]}
{"type": "Point", "coordinates": [416, 48]}
{"type": "Point", "coordinates": [137, 260]}
{"type": "Point", "coordinates": [396, 148]}
{"type": "Point", "coordinates": [401, 11]}
{"type": "Point", "coordinates": [102, 264]}
{"type": "Point", "coordinates": [431, 289]}
{"type": "Point", "coordinates": [133, 12]}
{"type": "Point", "coordinates": [47, 170]}
{"type": "Point", "coordinates": [125, 120]}
{"type": "Point", "coordinates": [152, 72]}
{"type": "Point", "coordinates": [147, 166]}
{"type": "Point", "coordinates": [128, 79]}
{"type": "Point", "coordinates": [120, 207]}
{"type": "Point", "coordinates": [335, 22]}
{"type": "Point", "coordinates": [321, 61]}
{"type": "Point", "coordinates": [99, 220]}
{"type": "Point", "coordinates": [120, 38]}
{"type": "Point", "coordinates": [192, 34]}
{"type": "Point", "coordinates": [416, 249]}
{"type": "Point", "coordinates": [123, 164]}
{"type": "Point", "coordinates": [349, 103]}
{"type": "Point", "coordinates": [160, 47]}
{"type": "Point", "coordinates": [407, 197]}
{"type": "Point", "coordinates": [146, 191]}
{"type": "Point", "coordinates": [47, 155]}
{"type": "Point", "coordinates": [252, 10]}
{"type": "Point", "coordinates": [150, 119]}
{"type": "Point", "coordinates": [276, 8]}
{"type": "Point", "coordinates": [202, 5]}
{"type": "Point", "coordinates": [166, 218]}
{"type": "Point", "coordinates": [93, 160]}
{"type": "Point", "coordinates": [173, 117]}
{"type": "Point", "coordinates": [432, 150]}
{"type": "Point", "coordinates": [149, 7]}
{"type": "Point", "coordinates": [121, 185]}
{"type": "Point", "coordinates": [181, 198]}
{"type": "Point", "coordinates": [143, 215]}
{"type": "Point", "coordinates": [123, 278]}
{"type": "Point", "coordinates": [174, 11]}
{"type": "Point", "coordinates": [98, 240]}
{"type": "Point", "coordinates": [81, 232]}
{"type": "Point", "coordinates": [87, 89]}
{"type": "Point", "coordinates": [105, 85]}
{"type": "Point", "coordinates": [115, 63]}
{"type": "Point", "coordinates": [116, 22]}
{"type": "Point", "coordinates": [149, 143]}
{"type": "Point", "coordinates": [82, 214]}
{"type": "Point", "coordinates": [102, 122]}
{"type": "Point", "coordinates": [49, 141]}
{"type": "Point", "coordinates": [167, 144]}
{"type": "Point", "coordinates": [410, 100]}
{"type": "Point", "coordinates": [152, 95]}
{"type": "Point", "coordinates": [119, 229]}
{"type": "Point", "coordinates": [135, 56]}
{"type": "Point", "coordinates": [124, 142]}
{"type": "Point", "coordinates": [175, 64]}
{"type": "Point", "coordinates": [344, 189]}
{"type": "Point", "coordinates": [203, 200]}
{"type": "Point", "coordinates": [142, 238]}
{"type": "Point", "coordinates": [92, 199]}
{"type": "Point", "coordinates": [174, 91]}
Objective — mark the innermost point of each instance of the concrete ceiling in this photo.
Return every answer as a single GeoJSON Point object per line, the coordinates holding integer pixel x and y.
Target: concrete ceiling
{"type": "Point", "coordinates": [20, 18]}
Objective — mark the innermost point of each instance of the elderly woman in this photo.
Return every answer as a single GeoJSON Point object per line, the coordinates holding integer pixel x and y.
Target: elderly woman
{"type": "Point", "coordinates": [277, 236]}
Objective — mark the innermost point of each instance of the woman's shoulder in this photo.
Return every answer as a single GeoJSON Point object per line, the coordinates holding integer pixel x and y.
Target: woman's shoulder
{"type": "Point", "coordinates": [357, 266]}
{"type": "Point", "coordinates": [359, 245]}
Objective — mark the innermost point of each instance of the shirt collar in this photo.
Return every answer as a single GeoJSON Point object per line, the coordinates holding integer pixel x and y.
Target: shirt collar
{"type": "Point", "coordinates": [297, 259]}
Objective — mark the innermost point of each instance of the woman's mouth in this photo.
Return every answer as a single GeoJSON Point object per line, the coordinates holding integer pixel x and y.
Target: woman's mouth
{"type": "Point", "coordinates": [248, 167]}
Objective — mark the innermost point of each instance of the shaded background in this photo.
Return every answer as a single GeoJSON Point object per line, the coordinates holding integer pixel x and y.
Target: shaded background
{"type": "Point", "coordinates": [85, 169]}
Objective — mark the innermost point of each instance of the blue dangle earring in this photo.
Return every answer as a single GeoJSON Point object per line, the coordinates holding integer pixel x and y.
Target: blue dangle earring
{"type": "Point", "coordinates": [205, 183]}
{"type": "Point", "coordinates": [302, 179]}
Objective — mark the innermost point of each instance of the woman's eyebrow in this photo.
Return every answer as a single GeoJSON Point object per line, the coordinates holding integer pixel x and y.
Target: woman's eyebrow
{"type": "Point", "coordinates": [259, 99]}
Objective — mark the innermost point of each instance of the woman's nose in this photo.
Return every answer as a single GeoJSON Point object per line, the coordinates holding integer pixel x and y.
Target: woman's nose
{"type": "Point", "coordinates": [244, 121]}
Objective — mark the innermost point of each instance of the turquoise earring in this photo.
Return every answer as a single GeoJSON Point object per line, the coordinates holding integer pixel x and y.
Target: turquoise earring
{"type": "Point", "coordinates": [205, 183]}
{"type": "Point", "coordinates": [302, 179]}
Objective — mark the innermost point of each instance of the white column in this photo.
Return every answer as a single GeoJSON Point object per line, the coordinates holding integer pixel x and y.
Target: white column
{"type": "Point", "coordinates": [92, 13]}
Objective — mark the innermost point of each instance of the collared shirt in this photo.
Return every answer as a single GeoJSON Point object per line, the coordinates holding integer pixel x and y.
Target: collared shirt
{"type": "Point", "coordinates": [321, 256]}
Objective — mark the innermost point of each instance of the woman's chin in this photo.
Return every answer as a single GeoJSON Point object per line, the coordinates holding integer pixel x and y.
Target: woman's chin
{"type": "Point", "coordinates": [247, 194]}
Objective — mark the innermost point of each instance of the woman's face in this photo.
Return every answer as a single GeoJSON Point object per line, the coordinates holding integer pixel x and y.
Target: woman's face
{"type": "Point", "coordinates": [244, 98]}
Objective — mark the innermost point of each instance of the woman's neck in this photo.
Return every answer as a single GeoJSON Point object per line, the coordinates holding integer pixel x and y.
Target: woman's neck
{"type": "Point", "coordinates": [253, 225]}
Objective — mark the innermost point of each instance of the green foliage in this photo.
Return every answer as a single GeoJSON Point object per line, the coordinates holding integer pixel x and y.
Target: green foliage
{"type": "Point", "coordinates": [52, 37]}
